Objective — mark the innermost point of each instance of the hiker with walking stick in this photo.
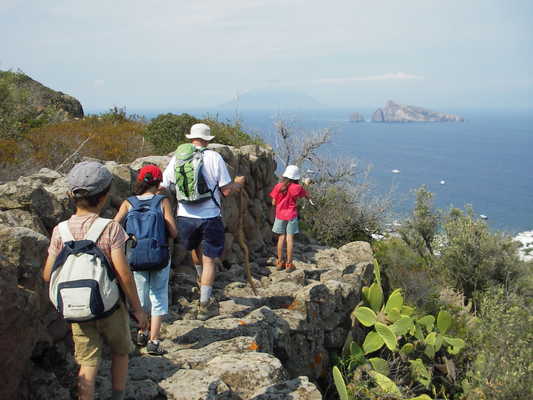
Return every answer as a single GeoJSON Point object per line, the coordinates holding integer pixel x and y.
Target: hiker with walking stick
{"type": "Point", "coordinates": [201, 177]}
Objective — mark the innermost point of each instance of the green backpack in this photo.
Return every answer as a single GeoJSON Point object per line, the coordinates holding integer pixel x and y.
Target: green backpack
{"type": "Point", "coordinates": [191, 186]}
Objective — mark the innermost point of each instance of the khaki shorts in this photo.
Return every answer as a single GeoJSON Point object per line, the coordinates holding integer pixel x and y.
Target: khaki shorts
{"type": "Point", "coordinates": [89, 337]}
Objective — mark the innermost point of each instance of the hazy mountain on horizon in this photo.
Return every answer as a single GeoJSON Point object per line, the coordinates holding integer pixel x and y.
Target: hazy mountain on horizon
{"type": "Point", "coordinates": [261, 99]}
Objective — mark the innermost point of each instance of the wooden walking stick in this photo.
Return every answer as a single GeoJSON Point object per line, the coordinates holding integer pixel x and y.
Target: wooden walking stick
{"type": "Point", "coordinates": [242, 243]}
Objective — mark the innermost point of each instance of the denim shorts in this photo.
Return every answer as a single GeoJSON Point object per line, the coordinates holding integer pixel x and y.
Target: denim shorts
{"type": "Point", "coordinates": [282, 227]}
{"type": "Point", "coordinates": [152, 288]}
{"type": "Point", "coordinates": [209, 232]}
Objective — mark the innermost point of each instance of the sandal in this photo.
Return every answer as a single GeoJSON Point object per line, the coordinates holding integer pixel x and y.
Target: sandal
{"type": "Point", "coordinates": [279, 265]}
{"type": "Point", "coordinates": [289, 267]}
{"type": "Point", "coordinates": [153, 348]}
{"type": "Point", "coordinates": [142, 339]}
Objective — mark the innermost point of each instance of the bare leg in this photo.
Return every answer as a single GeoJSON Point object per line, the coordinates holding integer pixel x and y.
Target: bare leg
{"type": "Point", "coordinates": [196, 256]}
{"type": "Point", "coordinates": [290, 244]}
{"type": "Point", "coordinates": [119, 371]}
{"type": "Point", "coordinates": [155, 327]}
{"type": "Point", "coordinates": [281, 243]}
{"type": "Point", "coordinates": [86, 379]}
{"type": "Point", "coordinates": [208, 275]}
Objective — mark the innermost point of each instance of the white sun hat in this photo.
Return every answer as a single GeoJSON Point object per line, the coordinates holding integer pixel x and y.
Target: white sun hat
{"type": "Point", "coordinates": [200, 131]}
{"type": "Point", "coordinates": [292, 172]}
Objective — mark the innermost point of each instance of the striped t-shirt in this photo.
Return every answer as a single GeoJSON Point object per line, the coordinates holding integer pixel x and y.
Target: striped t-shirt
{"type": "Point", "coordinates": [113, 236]}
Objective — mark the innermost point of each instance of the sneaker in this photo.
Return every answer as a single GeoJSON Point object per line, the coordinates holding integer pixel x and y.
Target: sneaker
{"type": "Point", "coordinates": [153, 347]}
{"type": "Point", "coordinates": [279, 265]}
{"type": "Point", "coordinates": [289, 267]}
{"type": "Point", "coordinates": [207, 310]}
{"type": "Point", "coordinates": [142, 339]}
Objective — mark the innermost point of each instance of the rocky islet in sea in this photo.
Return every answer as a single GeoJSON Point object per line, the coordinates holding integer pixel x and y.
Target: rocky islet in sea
{"type": "Point", "coordinates": [394, 112]}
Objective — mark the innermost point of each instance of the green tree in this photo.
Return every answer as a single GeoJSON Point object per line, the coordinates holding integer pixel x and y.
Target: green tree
{"type": "Point", "coordinates": [420, 229]}
{"type": "Point", "coordinates": [475, 258]}
{"type": "Point", "coordinates": [166, 131]}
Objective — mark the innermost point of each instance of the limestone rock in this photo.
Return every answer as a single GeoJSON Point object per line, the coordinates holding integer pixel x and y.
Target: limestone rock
{"type": "Point", "coordinates": [190, 384]}
{"type": "Point", "coordinates": [296, 389]}
{"type": "Point", "coordinates": [245, 372]}
{"type": "Point", "coordinates": [357, 117]}
{"type": "Point", "coordinates": [22, 218]}
{"type": "Point", "coordinates": [393, 112]}
{"type": "Point", "coordinates": [19, 329]}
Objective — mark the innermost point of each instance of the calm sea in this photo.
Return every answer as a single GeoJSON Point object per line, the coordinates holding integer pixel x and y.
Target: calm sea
{"type": "Point", "coordinates": [485, 161]}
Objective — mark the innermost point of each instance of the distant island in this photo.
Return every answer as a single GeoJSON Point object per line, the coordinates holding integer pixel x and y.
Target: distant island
{"type": "Point", "coordinates": [272, 99]}
{"type": "Point", "coordinates": [394, 112]}
{"type": "Point", "coordinates": [357, 117]}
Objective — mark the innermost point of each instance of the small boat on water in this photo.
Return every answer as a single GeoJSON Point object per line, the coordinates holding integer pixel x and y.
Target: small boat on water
{"type": "Point", "coordinates": [483, 216]}
{"type": "Point", "coordinates": [442, 182]}
{"type": "Point", "coordinates": [395, 171]}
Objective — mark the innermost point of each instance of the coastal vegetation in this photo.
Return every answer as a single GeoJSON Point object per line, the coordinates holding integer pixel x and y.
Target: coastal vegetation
{"type": "Point", "coordinates": [447, 315]}
{"type": "Point", "coordinates": [41, 128]}
{"type": "Point", "coordinates": [467, 330]}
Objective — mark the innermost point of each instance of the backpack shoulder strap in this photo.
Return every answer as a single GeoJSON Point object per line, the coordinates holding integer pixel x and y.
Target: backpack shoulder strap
{"type": "Point", "coordinates": [97, 228]}
{"type": "Point", "coordinates": [156, 202]}
{"type": "Point", "coordinates": [64, 232]}
{"type": "Point", "coordinates": [134, 201]}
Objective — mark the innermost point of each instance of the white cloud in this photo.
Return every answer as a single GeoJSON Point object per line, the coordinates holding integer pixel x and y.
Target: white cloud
{"type": "Point", "coordinates": [394, 76]}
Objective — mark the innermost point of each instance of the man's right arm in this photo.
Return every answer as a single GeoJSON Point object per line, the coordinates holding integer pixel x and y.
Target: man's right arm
{"type": "Point", "coordinates": [234, 186]}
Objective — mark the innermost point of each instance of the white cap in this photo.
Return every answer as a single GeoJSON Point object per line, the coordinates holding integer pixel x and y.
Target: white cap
{"type": "Point", "coordinates": [200, 131]}
{"type": "Point", "coordinates": [292, 172]}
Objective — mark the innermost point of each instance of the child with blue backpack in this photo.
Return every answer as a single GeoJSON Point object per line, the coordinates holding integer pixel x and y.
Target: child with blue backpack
{"type": "Point", "coordinates": [149, 222]}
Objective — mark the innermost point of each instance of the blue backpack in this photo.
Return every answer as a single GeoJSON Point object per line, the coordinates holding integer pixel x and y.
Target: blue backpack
{"type": "Point", "coordinates": [146, 225]}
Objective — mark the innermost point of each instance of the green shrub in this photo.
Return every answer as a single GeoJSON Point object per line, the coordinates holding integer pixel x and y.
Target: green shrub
{"type": "Point", "coordinates": [502, 349]}
{"type": "Point", "coordinates": [419, 231]}
{"type": "Point", "coordinates": [167, 131]}
{"type": "Point", "coordinates": [474, 258]}
{"type": "Point", "coordinates": [60, 145]}
{"type": "Point", "coordinates": [406, 269]}
{"type": "Point", "coordinates": [341, 215]}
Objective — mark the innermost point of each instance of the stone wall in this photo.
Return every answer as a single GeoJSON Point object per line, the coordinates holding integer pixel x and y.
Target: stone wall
{"type": "Point", "coordinates": [269, 346]}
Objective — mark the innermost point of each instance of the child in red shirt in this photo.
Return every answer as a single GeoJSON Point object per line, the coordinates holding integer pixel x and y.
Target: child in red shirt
{"type": "Point", "coordinates": [284, 197]}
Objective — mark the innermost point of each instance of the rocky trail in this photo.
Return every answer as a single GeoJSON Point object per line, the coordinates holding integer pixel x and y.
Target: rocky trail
{"type": "Point", "coordinates": [276, 345]}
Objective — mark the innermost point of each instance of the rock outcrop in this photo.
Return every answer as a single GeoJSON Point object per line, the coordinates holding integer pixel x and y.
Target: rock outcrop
{"type": "Point", "coordinates": [393, 112]}
{"type": "Point", "coordinates": [40, 97]}
{"type": "Point", "coordinates": [357, 117]}
{"type": "Point", "coordinates": [275, 345]}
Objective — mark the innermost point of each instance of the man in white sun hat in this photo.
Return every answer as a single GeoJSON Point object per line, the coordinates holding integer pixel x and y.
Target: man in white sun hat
{"type": "Point", "coordinates": [199, 221]}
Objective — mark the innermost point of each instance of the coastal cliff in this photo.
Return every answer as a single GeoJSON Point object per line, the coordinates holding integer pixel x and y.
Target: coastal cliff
{"type": "Point", "coordinates": [273, 345]}
{"type": "Point", "coordinates": [393, 112]}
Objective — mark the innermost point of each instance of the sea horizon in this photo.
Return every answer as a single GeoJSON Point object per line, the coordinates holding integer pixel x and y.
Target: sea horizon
{"type": "Point", "coordinates": [483, 161]}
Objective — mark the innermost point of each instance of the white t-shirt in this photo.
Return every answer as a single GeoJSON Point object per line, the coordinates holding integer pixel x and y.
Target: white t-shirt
{"type": "Point", "coordinates": [215, 172]}
{"type": "Point", "coordinates": [148, 196]}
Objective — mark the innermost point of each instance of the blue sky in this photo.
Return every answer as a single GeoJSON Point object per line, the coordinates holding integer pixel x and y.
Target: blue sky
{"type": "Point", "coordinates": [171, 54]}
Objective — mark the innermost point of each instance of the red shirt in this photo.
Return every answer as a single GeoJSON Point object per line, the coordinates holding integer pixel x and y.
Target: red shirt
{"type": "Point", "coordinates": [286, 202]}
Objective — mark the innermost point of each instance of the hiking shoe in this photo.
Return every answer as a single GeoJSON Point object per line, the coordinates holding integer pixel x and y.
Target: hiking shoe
{"type": "Point", "coordinates": [207, 310]}
{"type": "Point", "coordinates": [289, 267]}
{"type": "Point", "coordinates": [142, 339]}
{"type": "Point", "coordinates": [153, 347]}
{"type": "Point", "coordinates": [279, 265]}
